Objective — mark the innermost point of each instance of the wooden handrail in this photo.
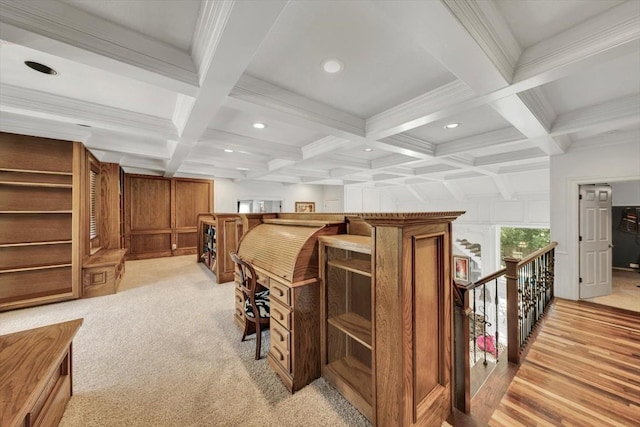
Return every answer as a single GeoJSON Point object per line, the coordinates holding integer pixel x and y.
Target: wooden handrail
{"type": "Point", "coordinates": [482, 281]}
{"type": "Point", "coordinates": [529, 258]}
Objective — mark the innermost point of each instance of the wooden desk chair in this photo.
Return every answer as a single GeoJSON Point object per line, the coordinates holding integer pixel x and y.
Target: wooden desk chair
{"type": "Point", "coordinates": [256, 301]}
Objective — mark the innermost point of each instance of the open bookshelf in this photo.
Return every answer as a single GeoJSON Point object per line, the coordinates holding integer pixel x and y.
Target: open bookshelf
{"type": "Point", "coordinates": [346, 317]}
{"type": "Point", "coordinates": [37, 196]}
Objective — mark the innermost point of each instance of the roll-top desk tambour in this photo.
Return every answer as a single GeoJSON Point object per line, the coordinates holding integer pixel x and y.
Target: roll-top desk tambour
{"type": "Point", "coordinates": [35, 375]}
{"type": "Point", "coordinates": [284, 253]}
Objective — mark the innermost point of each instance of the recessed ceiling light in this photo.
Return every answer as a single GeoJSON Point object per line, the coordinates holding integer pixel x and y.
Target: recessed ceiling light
{"type": "Point", "coordinates": [228, 150]}
{"type": "Point", "coordinates": [41, 68]}
{"type": "Point", "coordinates": [259, 125]}
{"type": "Point", "coordinates": [368, 149]}
{"type": "Point", "coordinates": [332, 65]}
{"type": "Point", "coordinates": [243, 169]}
{"type": "Point", "coordinates": [83, 125]}
{"type": "Point", "coordinates": [451, 125]}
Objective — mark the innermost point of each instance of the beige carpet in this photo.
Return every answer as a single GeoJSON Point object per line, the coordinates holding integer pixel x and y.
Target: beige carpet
{"type": "Point", "coordinates": [164, 351]}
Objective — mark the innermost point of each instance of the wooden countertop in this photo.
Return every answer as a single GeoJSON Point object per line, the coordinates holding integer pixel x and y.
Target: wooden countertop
{"type": "Point", "coordinates": [27, 360]}
{"type": "Point", "coordinates": [105, 258]}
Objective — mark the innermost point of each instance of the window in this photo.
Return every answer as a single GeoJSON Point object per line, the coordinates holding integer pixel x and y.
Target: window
{"type": "Point", "coordinates": [520, 242]}
{"type": "Point", "coordinates": [93, 206]}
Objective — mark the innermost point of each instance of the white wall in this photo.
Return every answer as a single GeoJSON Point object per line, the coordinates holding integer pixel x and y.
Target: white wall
{"type": "Point", "coordinates": [625, 193]}
{"type": "Point", "coordinates": [226, 194]}
{"type": "Point", "coordinates": [582, 166]}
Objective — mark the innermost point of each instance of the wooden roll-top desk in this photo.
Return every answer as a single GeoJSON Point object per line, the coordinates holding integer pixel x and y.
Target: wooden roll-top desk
{"type": "Point", "coordinates": [364, 300]}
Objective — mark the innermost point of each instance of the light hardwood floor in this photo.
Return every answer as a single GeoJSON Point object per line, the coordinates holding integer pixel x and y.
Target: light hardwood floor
{"type": "Point", "coordinates": [625, 291]}
{"type": "Point", "coordinates": [583, 370]}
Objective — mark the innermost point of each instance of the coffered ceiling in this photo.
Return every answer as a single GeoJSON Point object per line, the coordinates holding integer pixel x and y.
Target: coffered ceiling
{"type": "Point", "coordinates": [173, 88]}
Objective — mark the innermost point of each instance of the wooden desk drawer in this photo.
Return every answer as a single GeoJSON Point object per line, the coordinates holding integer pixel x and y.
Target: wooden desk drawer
{"type": "Point", "coordinates": [281, 292]}
{"type": "Point", "coordinates": [281, 313]}
{"type": "Point", "coordinates": [55, 405]}
{"type": "Point", "coordinates": [239, 306]}
{"type": "Point", "coordinates": [280, 336]}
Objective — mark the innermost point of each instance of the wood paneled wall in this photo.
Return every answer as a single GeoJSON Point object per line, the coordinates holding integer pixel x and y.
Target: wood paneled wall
{"type": "Point", "coordinates": [161, 213]}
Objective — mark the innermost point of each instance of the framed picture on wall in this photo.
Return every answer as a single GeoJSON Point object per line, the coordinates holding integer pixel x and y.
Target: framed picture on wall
{"type": "Point", "coordinates": [305, 206]}
{"type": "Point", "coordinates": [461, 269]}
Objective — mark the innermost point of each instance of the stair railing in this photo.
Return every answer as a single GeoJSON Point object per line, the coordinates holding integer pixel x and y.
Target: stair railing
{"type": "Point", "coordinates": [530, 291]}
{"type": "Point", "coordinates": [478, 315]}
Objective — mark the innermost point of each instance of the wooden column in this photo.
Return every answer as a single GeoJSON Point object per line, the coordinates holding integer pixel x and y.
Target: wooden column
{"type": "Point", "coordinates": [513, 322]}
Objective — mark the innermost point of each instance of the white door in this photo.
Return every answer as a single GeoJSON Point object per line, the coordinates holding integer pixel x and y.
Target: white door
{"type": "Point", "coordinates": [595, 240]}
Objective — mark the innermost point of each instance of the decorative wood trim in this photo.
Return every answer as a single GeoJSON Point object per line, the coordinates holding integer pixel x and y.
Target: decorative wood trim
{"type": "Point", "coordinates": [401, 219]}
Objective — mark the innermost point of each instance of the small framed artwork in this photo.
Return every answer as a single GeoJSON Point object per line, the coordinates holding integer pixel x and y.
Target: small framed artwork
{"type": "Point", "coordinates": [461, 269]}
{"type": "Point", "coordinates": [305, 206]}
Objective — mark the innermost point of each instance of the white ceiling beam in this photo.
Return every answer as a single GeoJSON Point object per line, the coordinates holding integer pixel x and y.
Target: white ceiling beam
{"type": "Point", "coordinates": [436, 168]}
{"type": "Point", "coordinates": [239, 29]}
{"type": "Point", "coordinates": [509, 169]}
{"type": "Point", "coordinates": [522, 156]}
{"type": "Point", "coordinates": [63, 30]}
{"type": "Point", "coordinates": [326, 145]}
{"type": "Point", "coordinates": [257, 96]}
{"type": "Point", "coordinates": [608, 115]}
{"type": "Point", "coordinates": [406, 145]}
{"type": "Point", "coordinates": [431, 22]}
{"type": "Point", "coordinates": [494, 138]}
{"type": "Point", "coordinates": [389, 161]}
{"type": "Point", "coordinates": [222, 139]}
{"type": "Point", "coordinates": [607, 140]}
{"type": "Point", "coordinates": [608, 35]}
{"type": "Point", "coordinates": [27, 125]}
{"type": "Point", "coordinates": [34, 103]}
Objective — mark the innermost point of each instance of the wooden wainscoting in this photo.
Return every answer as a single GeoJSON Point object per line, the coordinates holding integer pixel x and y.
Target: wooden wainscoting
{"type": "Point", "coordinates": [161, 214]}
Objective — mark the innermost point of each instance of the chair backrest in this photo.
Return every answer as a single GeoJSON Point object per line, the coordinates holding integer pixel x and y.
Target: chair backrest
{"type": "Point", "coordinates": [248, 282]}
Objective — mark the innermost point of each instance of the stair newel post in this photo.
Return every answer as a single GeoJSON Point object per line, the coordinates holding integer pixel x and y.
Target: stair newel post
{"type": "Point", "coordinates": [513, 310]}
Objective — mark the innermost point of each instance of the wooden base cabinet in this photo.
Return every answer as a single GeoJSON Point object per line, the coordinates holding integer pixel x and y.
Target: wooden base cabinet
{"type": "Point", "coordinates": [218, 234]}
{"type": "Point", "coordinates": [386, 328]}
{"type": "Point", "coordinates": [35, 371]}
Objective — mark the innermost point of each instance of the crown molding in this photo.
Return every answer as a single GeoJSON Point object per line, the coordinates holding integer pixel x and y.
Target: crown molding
{"type": "Point", "coordinates": [276, 164]}
{"type": "Point", "coordinates": [408, 146]}
{"type": "Point", "coordinates": [436, 168]}
{"type": "Point", "coordinates": [605, 140]}
{"type": "Point", "coordinates": [619, 112]}
{"type": "Point", "coordinates": [389, 161]}
{"type": "Point", "coordinates": [326, 145]}
{"type": "Point", "coordinates": [419, 111]}
{"type": "Point", "coordinates": [526, 155]}
{"type": "Point", "coordinates": [494, 138]}
{"type": "Point", "coordinates": [126, 145]}
{"type": "Point", "coordinates": [489, 29]}
{"type": "Point", "coordinates": [24, 125]}
{"type": "Point", "coordinates": [537, 103]}
{"type": "Point", "coordinates": [214, 15]}
{"type": "Point", "coordinates": [610, 30]}
{"type": "Point", "coordinates": [85, 38]}
{"type": "Point", "coordinates": [255, 95]}
{"type": "Point", "coordinates": [222, 139]}
{"type": "Point", "coordinates": [33, 103]}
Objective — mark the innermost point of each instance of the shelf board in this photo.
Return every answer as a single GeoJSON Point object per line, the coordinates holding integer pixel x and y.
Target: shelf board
{"type": "Point", "coordinates": [355, 326]}
{"type": "Point", "coordinates": [36, 184]}
{"type": "Point", "coordinates": [36, 171]}
{"type": "Point", "coordinates": [356, 376]}
{"type": "Point", "coordinates": [37, 212]}
{"type": "Point", "coordinates": [40, 267]}
{"type": "Point", "coordinates": [358, 266]}
{"type": "Point", "coordinates": [348, 242]}
{"type": "Point", "coordinates": [58, 242]}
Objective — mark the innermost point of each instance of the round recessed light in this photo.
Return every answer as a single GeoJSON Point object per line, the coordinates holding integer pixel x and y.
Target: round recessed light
{"type": "Point", "coordinates": [228, 150]}
{"type": "Point", "coordinates": [259, 125]}
{"type": "Point", "coordinates": [332, 66]}
{"type": "Point", "coordinates": [368, 150]}
{"type": "Point", "coordinates": [451, 125]}
{"type": "Point", "coordinates": [41, 68]}
{"type": "Point", "coordinates": [83, 125]}
{"type": "Point", "coordinates": [242, 169]}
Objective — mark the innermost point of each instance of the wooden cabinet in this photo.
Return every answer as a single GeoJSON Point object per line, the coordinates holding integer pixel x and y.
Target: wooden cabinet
{"type": "Point", "coordinates": [35, 370]}
{"type": "Point", "coordinates": [217, 236]}
{"type": "Point", "coordinates": [386, 313]}
{"type": "Point", "coordinates": [102, 273]}
{"type": "Point", "coordinates": [39, 220]}
{"type": "Point", "coordinates": [161, 215]}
